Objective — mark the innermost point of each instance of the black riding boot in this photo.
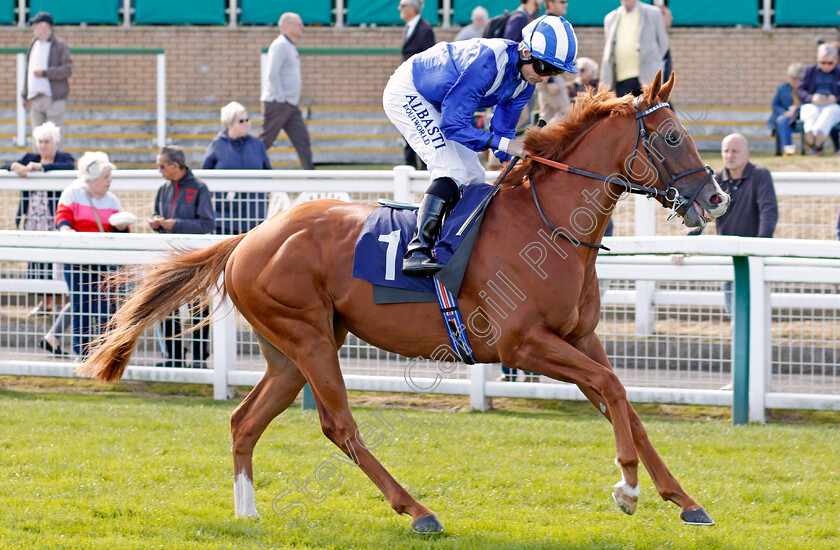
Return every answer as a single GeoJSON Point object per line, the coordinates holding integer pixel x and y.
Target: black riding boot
{"type": "Point", "coordinates": [418, 260]}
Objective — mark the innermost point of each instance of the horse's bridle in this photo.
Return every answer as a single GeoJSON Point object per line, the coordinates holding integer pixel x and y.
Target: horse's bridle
{"type": "Point", "coordinates": [669, 194]}
{"type": "Point", "coordinates": [677, 200]}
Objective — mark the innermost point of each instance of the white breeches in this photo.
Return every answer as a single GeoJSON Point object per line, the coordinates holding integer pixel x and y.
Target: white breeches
{"type": "Point", "coordinates": [419, 122]}
{"type": "Point", "coordinates": [819, 118]}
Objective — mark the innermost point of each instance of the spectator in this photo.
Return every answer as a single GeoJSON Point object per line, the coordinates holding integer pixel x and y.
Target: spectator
{"type": "Point", "coordinates": [36, 210]}
{"type": "Point", "coordinates": [527, 11]}
{"type": "Point", "coordinates": [418, 37]}
{"type": "Point", "coordinates": [182, 205]}
{"type": "Point", "coordinates": [86, 205]}
{"type": "Point", "coordinates": [475, 29]}
{"type": "Point", "coordinates": [281, 93]}
{"type": "Point", "coordinates": [552, 96]}
{"type": "Point", "coordinates": [235, 149]}
{"type": "Point", "coordinates": [587, 77]}
{"type": "Point", "coordinates": [48, 66]}
{"type": "Point", "coordinates": [819, 92]}
{"type": "Point", "coordinates": [668, 18]}
{"type": "Point", "coordinates": [753, 210]}
{"type": "Point", "coordinates": [635, 44]}
{"type": "Point", "coordinates": [786, 108]}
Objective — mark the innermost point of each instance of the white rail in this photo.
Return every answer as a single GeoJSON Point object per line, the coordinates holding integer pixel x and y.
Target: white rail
{"type": "Point", "coordinates": [771, 260]}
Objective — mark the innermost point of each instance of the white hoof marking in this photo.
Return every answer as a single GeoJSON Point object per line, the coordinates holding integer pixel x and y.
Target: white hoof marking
{"type": "Point", "coordinates": [244, 501]}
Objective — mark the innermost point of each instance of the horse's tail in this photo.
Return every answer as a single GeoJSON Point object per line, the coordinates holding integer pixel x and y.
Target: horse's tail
{"type": "Point", "coordinates": [185, 277]}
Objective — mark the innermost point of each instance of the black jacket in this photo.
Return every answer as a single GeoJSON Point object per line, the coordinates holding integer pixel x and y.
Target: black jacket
{"type": "Point", "coordinates": [188, 202]}
{"type": "Point", "coordinates": [753, 210]}
{"type": "Point", "coordinates": [421, 39]}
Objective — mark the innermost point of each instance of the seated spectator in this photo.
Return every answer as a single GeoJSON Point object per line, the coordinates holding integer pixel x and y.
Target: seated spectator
{"type": "Point", "coordinates": [183, 205]}
{"type": "Point", "coordinates": [786, 107]}
{"type": "Point", "coordinates": [588, 76]}
{"type": "Point", "coordinates": [819, 92]}
{"type": "Point", "coordinates": [476, 28]}
{"type": "Point", "coordinates": [86, 205]}
{"type": "Point", "coordinates": [36, 210]}
{"type": "Point", "coordinates": [235, 149]}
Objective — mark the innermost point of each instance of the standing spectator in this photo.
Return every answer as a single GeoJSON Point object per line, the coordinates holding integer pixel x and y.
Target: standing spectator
{"type": "Point", "coordinates": [418, 37]}
{"type": "Point", "coordinates": [587, 77]}
{"type": "Point", "coordinates": [182, 205]}
{"type": "Point", "coordinates": [48, 66]}
{"type": "Point", "coordinates": [281, 93]}
{"type": "Point", "coordinates": [786, 108]}
{"type": "Point", "coordinates": [235, 149]}
{"type": "Point", "coordinates": [819, 93]}
{"type": "Point", "coordinates": [552, 96]}
{"type": "Point", "coordinates": [87, 205]}
{"type": "Point", "coordinates": [668, 18]}
{"type": "Point", "coordinates": [36, 210]}
{"type": "Point", "coordinates": [527, 11]}
{"type": "Point", "coordinates": [753, 210]}
{"type": "Point", "coordinates": [475, 29]}
{"type": "Point", "coordinates": [635, 44]}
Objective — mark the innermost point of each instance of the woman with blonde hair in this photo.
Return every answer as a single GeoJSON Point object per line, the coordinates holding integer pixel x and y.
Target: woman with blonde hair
{"type": "Point", "coordinates": [87, 205]}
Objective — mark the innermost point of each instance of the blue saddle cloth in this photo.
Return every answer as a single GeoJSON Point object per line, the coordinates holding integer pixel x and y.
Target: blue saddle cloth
{"type": "Point", "coordinates": [385, 235]}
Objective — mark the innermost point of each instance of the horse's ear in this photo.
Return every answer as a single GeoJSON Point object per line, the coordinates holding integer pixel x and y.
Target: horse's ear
{"type": "Point", "coordinates": [665, 92]}
{"type": "Point", "coordinates": [653, 90]}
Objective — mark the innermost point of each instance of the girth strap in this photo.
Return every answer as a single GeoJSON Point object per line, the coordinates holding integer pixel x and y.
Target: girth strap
{"type": "Point", "coordinates": [454, 323]}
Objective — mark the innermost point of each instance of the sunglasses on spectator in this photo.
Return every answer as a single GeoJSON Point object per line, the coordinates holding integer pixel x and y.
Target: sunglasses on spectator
{"type": "Point", "coordinates": [545, 69]}
{"type": "Point", "coordinates": [827, 62]}
{"type": "Point", "coordinates": [241, 120]}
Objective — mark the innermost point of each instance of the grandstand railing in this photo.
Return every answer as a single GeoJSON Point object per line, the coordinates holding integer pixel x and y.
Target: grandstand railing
{"type": "Point", "coordinates": [160, 59]}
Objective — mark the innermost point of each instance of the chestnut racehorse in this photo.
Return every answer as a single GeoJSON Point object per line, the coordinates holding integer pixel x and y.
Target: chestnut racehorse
{"type": "Point", "coordinates": [291, 279]}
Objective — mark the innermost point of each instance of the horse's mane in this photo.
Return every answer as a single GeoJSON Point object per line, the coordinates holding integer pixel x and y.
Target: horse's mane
{"type": "Point", "coordinates": [552, 140]}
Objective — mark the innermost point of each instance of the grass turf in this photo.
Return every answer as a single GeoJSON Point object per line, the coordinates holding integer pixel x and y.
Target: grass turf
{"type": "Point", "coordinates": [106, 469]}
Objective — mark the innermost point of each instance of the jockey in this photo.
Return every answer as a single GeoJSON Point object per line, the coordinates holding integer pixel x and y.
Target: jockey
{"type": "Point", "coordinates": [431, 99]}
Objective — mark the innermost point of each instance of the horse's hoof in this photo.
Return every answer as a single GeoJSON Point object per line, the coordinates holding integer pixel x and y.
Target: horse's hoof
{"type": "Point", "coordinates": [427, 525]}
{"type": "Point", "coordinates": [626, 497]}
{"type": "Point", "coordinates": [697, 517]}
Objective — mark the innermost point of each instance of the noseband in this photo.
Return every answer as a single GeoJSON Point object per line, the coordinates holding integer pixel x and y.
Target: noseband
{"type": "Point", "coordinates": [669, 194]}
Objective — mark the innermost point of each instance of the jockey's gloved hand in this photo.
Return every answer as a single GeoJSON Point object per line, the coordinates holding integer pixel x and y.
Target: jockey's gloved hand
{"type": "Point", "coordinates": [512, 148]}
{"type": "Point", "coordinates": [516, 148]}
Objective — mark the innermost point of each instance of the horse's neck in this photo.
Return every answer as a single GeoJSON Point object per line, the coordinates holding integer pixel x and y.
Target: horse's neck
{"type": "Point", "coordinates": [581, 206]}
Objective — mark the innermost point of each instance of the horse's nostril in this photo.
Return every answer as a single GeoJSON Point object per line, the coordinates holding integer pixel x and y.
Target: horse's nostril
{"type": "Point", "coordinates": [716, 199]}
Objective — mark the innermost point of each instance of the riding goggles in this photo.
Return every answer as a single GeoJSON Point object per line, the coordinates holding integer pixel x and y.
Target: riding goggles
{"type": "Point", "coordinates": [545, 69]}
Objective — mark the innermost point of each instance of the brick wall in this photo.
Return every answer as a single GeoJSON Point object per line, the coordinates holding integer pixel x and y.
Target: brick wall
{"type": "Point", "coordinates": [211, 66]}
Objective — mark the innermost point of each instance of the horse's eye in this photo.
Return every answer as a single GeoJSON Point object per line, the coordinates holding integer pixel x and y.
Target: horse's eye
{"type": "Point", "coordinates": [672, 139]}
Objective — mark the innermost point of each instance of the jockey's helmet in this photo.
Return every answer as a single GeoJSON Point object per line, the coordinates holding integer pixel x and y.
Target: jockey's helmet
{"type": "Point", "coordinates": [551, 40]}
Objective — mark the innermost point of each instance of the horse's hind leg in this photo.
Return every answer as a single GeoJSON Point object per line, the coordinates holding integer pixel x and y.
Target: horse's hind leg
{"type": "Point", "coordinates": [666, 484]}
{"type": "Point", "coordinates": [277, 389]}
{"type": "Point", "coordinates": [315, 354]}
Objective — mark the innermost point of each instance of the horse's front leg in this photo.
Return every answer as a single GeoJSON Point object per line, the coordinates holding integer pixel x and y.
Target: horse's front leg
{"type": "Point", "coordinates": [666, 484]}
{"type": "Point", "coordinates": [546, 353]}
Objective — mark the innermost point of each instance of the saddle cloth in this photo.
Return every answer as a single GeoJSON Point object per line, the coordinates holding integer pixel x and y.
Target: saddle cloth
{"type": "Point", "coordinates": [383, 241]}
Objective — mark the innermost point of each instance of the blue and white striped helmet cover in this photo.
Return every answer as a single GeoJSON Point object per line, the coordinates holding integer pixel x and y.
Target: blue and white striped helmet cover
{"type": "Point", "coordinates": [552, 39]}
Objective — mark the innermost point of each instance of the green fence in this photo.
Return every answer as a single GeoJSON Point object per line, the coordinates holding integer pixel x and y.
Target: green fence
{"type": "Point", "coordinates": [814, 13]}
{"type": "Point", "coordinates": [384, 12]}
{"type": "Point", "coordinates": [267, 12]}
{"type": "Point", "coordinates": [7, 12]}
{"type": "Point", "coordinates": [73, 12]}
{"type": "Point", "coordinates": [192, 12]}
{"type": "Point", "coordinates": [717, 13]}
